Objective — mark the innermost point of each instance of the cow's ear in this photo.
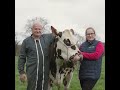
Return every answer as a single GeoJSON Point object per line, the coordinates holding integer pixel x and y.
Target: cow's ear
{"type": "Point", "coordinates": [54, 31]}
{"type": "Point", "coordinates": [72, 31]}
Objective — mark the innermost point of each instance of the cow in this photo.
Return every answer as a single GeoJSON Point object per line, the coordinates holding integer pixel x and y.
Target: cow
{"type": "Point", "coordinates": [62, 52]}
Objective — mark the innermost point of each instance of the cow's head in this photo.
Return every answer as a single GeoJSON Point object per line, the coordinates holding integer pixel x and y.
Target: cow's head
{"type": "Point", "coordinates": [66, 47]}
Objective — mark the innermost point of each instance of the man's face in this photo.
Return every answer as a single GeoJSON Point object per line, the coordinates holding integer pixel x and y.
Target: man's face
{"type": "Point", "coordinates": [36, 29]}
{"type": "Point", "coordinates": [90, 35]}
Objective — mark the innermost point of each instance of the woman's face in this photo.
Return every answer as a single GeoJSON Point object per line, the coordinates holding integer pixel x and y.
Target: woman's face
{"type": "Point", "coordinates": [90, 34]}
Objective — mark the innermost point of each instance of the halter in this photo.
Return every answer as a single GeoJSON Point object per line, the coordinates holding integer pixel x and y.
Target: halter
{"type": "Point", "coordinates": [59, 39]}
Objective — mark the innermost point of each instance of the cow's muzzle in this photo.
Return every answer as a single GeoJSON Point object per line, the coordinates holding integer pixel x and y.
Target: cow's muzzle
{"type": "Point", "coordinates": [72, 57]}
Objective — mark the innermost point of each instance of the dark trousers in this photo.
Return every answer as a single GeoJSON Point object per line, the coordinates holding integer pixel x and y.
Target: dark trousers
{"type": "Point", "coordinates": [87, 84]}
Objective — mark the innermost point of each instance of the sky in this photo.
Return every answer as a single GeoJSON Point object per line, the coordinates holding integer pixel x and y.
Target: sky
{"type": "Point", "coordinates": [63, 14]}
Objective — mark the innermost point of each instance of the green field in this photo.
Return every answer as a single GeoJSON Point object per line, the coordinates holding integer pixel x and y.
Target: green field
{"type": "Point", "coordinates": [75, 85]}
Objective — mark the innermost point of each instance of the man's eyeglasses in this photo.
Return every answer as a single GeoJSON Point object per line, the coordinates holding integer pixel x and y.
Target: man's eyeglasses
{"type": "Point", "coordinates": [90, 33]}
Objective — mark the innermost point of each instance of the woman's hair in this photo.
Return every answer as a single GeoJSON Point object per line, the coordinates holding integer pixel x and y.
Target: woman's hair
{"type": "Point", "coordinates": [88, 29]}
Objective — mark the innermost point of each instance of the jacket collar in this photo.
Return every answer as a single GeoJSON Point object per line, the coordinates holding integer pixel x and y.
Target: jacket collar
{"type": "Point", "coordinates": [91, 42]}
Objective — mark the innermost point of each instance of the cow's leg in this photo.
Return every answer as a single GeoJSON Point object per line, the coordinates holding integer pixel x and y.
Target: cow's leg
{"type": "Point", "coordinates": [51, 77]}
{"type": "Point", "coordinates": [68, 80]}
{"type": "Point", "coordinates": [62, 77]}
{"type": "Point", "coordinates": [58, 79]}
{"type": "Point", "coordinates": [58, 87]}
{"type": "Point", "coordinates": [49, 85]}
{"type": "Point", "coordinates": [58, 75]}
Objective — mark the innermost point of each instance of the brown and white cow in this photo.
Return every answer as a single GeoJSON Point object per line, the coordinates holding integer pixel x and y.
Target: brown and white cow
{"type": "Point", "coordinates": [62, 65]}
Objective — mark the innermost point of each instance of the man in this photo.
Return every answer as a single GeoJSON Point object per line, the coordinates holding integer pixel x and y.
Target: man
{"type": "Point", "coordinates": [90, 68]}
{"type": "Point", "coordinates": [35, 54]}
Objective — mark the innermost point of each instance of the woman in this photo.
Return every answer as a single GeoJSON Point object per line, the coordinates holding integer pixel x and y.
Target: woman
{"type": "Point", "coordinates": [90, 68]}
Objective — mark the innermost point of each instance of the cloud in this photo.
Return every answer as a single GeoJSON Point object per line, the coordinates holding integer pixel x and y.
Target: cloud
{"type": "Point", "coordinates": [76, 14]}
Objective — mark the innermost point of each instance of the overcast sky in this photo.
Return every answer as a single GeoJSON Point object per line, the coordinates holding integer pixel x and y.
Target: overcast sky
{"type": "Point", "coordinates": [62, 14]}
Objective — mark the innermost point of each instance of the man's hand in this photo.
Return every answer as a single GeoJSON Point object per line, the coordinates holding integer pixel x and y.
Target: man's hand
{"type": "Point", "coordinates": [23, 77]}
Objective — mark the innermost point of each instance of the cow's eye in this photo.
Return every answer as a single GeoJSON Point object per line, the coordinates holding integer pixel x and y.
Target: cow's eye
{"type": "Point", "coordinates": [67, 42]}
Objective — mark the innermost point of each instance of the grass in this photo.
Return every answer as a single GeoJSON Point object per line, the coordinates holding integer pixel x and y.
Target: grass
{"type": "Point", "coordinates": [75, 85]}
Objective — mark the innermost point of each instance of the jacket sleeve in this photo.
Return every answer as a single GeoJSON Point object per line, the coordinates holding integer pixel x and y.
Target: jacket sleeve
{"type": "Point", "coordinates": [95, 55]}
{"type": "Point", "coordinates": [52, 37]}
{"type": "Point", "coordinates": [22, 58]}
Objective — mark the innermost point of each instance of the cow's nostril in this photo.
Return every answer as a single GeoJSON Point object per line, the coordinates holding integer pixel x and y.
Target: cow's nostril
{"type": "Point", "coordinates": [71, 57]}
{"type": "Point", "coordinates": [78, 52]}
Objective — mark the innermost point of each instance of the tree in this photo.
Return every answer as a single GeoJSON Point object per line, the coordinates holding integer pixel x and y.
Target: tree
{"type": "Point", "coordinates": [80, 39]}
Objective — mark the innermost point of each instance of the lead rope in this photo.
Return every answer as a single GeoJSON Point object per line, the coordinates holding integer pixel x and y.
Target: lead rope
{"type": "Point", "coordinates": [43, 63]}
{"type": "Point", "coordinates": [66, 47]}
{"type": "Point", "coordinates": [37, 64]}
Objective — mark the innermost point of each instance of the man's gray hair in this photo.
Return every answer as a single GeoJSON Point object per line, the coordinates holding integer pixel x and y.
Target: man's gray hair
{"type": "Point", "coordinates": [31, 21]}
